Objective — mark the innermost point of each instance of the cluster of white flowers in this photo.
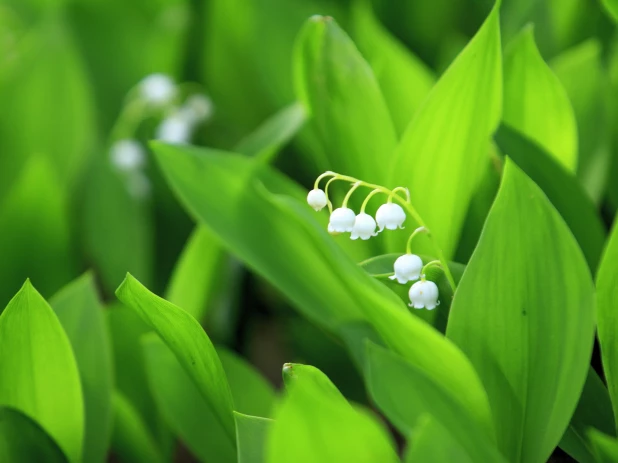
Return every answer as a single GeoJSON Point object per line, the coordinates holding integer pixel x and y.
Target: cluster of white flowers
{"type": "Point", "coordinates": [390, 216]}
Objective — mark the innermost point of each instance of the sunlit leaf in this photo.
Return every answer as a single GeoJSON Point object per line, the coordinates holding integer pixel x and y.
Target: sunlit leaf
{"type": "Point", "coordinates": [444, 150]}
{"type": "Point", "coordinates": [80, 312]}
{"type": "Point", "coordinates": [535, 102]}
{"type": "Point", "coordinates": [39, 373]}
{"type": "Point", "coordinates": [605, 447]}
{"type": "Point", "coordinates": [404, 79]}
{"type": "Point", "coordinates": [344, 101]}
{"type": "Point", "coordinates": [189, 343]}
{"type": "Point", "coordinates": [541, 290]}
{"type": "Point", "coordinates": [251, 434]}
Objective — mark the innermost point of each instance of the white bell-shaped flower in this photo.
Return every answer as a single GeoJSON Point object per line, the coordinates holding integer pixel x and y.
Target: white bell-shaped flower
{"type": "Point", "coordinates": [127, 155]}
{"type": "Point", "coordinates": [157, 89]}
{"type": "Point", "coordinates": [390, 216]}
{"type": "Point", "coordinates": [341, 220]}
{"type": "Point", "coordinates": [175, 129]}
{"type": "Point", "coordinates": [199, 108]}
{"type": "Point", "coordinates": [407, 268]}
{"type": "Point", "coordinates": [424, 294]}
{"type": "Point", "coordinates": [364, 227]}
{"type": "Point", "coordinates": [317, 199]}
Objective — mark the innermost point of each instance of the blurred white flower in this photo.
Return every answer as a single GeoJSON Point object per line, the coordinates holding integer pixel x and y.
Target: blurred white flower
{"type": "Point", "coordinates": [424, 294]}
{"type": "Point", "coordinates": [341, 220]}
{"type": "Point", "coordinates": [175, 128]}
{"type": "Point", "coordinates": [317, 199]}
{"type": "Point", "coordinates": [127, 155]}
{"type": "Point", "coordinates": [198, 108]}
{"type": "Point", "coordinates": [364, 227]}
{"type": "Point", "coordinates": [407, 268]}
{"type": "Point", "coordinates": [158, 89]}
{"type": "Point", "coordinates": [391, 216]}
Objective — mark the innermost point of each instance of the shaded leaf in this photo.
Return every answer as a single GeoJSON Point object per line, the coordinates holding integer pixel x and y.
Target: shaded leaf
{"type": "Point", "coordinates": [535, 102]}
{"type": "Point", "coordinates": [251, 434]}
{"type": "Point", "coordinates": [432, 443]}
{"type": "Point", "coordinates": [80, 312]}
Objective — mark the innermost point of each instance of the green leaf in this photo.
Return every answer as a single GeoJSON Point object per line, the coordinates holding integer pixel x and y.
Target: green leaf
{"type": "Point", "coordinates": [131, 439]}
{"type": "Point", "coordinates": [186, 338]}
{"type": "Point", "coordinates": [607, 323]}
{"type": "Point", "coordinates": [195, 278]}
{"type": "Point", "coordinates": [581, 72]}
{"type": "Point", "coordinates": [562, 189]}
{"type": "Point", "coordinates": [275, 132]}
{"type": "Point", "coordinates": [594, 410]}
{"type": "Point", "coordinates": [252, 393]}
{"type": "Point", "coordinates": [505, 327]}
{"type": "Point", "coordinates": [404, 79]}
{"type": "Point", "coordinates": [433, 443]}
{"type": "Point", "coordinates": [309, 414]}
{"type": "Point", "coordinates": [47, 105]}
{"type": "Point", "coordinates": [343, 99]}
{"type": "Point", "coordinates": [80, 312]}
{"type": "Point", "coordinates": [296, 373]}
{"type": "Point", "coordinates": [22, 439]}
{"type": "Point", "coordinates": [337, 290]}
{"type": "Point", "coordinates": [535, 102]}
{"type": "Point", "coordinates": [251, 434]}
{"type": "Point", "coordinates": [40, 377]}
{"type": "Point", "coordinates": [117, 227]}
{"type": "Point", "coordinates": [611, 6]}
{"type": "Point", "coordinates": [182, 404]}
{"type": "Point", "coordinates": [391, 379]}
{"type": "Point", "coordinates": [442, 155]}
{"type": "Point", "coordinates": [36, 239]}
{"type": "Point", "coordinates": [605, 447]}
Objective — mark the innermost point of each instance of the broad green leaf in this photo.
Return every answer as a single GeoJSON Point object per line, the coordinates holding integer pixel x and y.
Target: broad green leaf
{"type": "Point", "coordinates": [39, 374]}
{"type": "Point", "coordinates": [433, 443]}
{"type": "Point", "coordinates": [252, 393]}
{"type": "Point", "coordinates": [405, 394]}
{"type": "Point", "coordinates": [404, 79]}
{"type": "Point", "coordinates": [607, 324]}
{"type": "Point", "coordinates": [337, 290]}
{"type": "Point", "coordinates": [594, 411]}
{"type": "Point", "coordinates": [117, 227]}
{"type": "Point", "coordinates": [344, 101]}
{"type": "Point", "coordinates": [194, 279]}
{"type": "Point", "coordinates": [611, 6]}
{"type": "Point", "coordinates": [443, 153]}
{"type": "Point", "coordinates": [355, 335]}
{"type": "Point", "coordinates": [251, 435]}
{"type": "Point", "coordinates": [296, 373]}
{"type": "Point", "coordinates": [130, 438]}
{"type": "Point", "coordinates": [182, 404]}
{"type": "Point", "coordinates": [276, 131]}
{"type": "Point", "coordinates": [190, 344]}
{"type": "Point", "coordinates": [36, 240]}
{"type": "Point", "coordinates": [80, 312]}
{"type": "Point", "coordinates": [562, 189]}
{"type": "Point", "coordinates": [581, 73]}
{"type": "Point", "coordinates": [605, 447]}
{"type": "Point", "coordinates": [535, 102]}
{"type": "Point", "coordinates": [22, 439]}
{"type": "Point", "coordinates": [47, 105]}
{"type": "Point", "coordinates": [542, 290]}
{"type": "Point", "coordinates": [309, 414]}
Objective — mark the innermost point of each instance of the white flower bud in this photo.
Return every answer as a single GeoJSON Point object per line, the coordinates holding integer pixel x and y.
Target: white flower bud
{"type": "Point", "coordinates": [317, 199]}
{"type": "Point", "coordinates": [407, 268]}
{"type": "Point", "coordinates": [424, 294]}
{"type": "Point", "coordinates": [157, 89]}
{"type": "Point", "coordinates": [341, 220]}
{"type": "Point", "coordinates": [127, 155]}
{"type": "Point", "coordinates": [198, 108]}
{"type": "Point", "coordinates": [391, 216]}
{"type": "Point", "coordinates": [364, 227]}
{"type": "Point", "coordinates": [175, 129]}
